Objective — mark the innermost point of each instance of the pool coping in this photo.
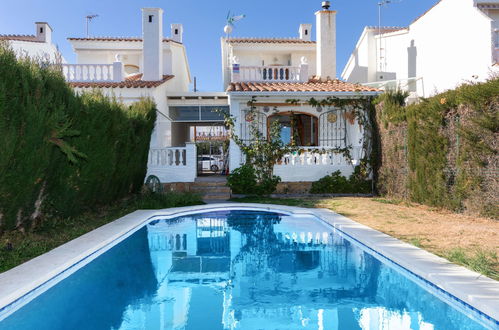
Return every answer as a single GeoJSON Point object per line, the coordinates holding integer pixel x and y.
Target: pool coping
{"type": "Point", "coordinates": [476, 290]}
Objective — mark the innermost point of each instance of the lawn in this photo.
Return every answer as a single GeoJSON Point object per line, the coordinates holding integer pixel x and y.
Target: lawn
{"type": "Point", "coordinates": [17, 247]}
{"type": "Point", "coordinates": [466, 240]}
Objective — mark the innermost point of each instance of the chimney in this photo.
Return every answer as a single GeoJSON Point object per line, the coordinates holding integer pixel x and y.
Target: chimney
{"type": "Point", "coordinates": [152, 44]}
{"type": "Point", "coordinates": [43, 32]}
{"type": "Point", "coordinates": [305, 32]}
{"type": "Point", "coordinates": [326, 42]}
{"type": "Point", "coordinates": [177, 32]}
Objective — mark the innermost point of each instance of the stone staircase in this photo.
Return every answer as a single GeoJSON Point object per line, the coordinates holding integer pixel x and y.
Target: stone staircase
{"type": "Point", "coordinates": [212, 188]}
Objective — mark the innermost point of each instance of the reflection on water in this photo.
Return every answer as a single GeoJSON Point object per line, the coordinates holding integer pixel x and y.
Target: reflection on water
{"type": "Point", "coordinates": [237, 270]}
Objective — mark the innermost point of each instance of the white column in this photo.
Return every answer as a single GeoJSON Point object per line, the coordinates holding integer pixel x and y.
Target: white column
{"type": "Point", "coordinates": [118, 71]}
{"type": "Point", "coordinates": [303, 70]}
{"type": "Point", "coordinates": [234, 151]}
{"type": "Point", "coordinates": [191, 160]}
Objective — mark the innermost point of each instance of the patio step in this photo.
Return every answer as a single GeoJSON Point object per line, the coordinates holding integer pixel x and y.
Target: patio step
{"type": "Point", "coordinates": [212, 188]}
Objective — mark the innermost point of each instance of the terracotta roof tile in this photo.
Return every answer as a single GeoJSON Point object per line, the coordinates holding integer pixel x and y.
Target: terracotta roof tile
{"type": "Point", "coordinates": [269, 40]}
{"type": "Point", "coordinates": [134, 81]}
{"type": "Point", "coordinates": [132, 39]}
{"type": "Point", "coordinates": [313, 85]}
{"type": "Point", "coordinates": [19, 37]}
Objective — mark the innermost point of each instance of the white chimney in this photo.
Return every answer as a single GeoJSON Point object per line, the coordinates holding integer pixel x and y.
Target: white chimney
{"type": "Point", "coordinates": [152, 44]}
{"type": "Point", "coordinates": [305, 32]}
{"type": "Point", "coordinates": [177, 32]}
{"type": "Point", "coordinates": [326, 42]}
{"type": "Point", "coordinates": [43, 32]}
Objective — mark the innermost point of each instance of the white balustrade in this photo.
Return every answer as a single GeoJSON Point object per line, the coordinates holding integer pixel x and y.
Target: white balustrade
{"type": "Point", "coordinates": [167, 157]}
{"type": "Point", "coordinates": [267, 74]}
{"type": "Point", "coordinates": [313, 163]}
{"type": "Point", "coordinates": [93, 72]}
{"type": "Point", "coordinates": [174, 164]}
{"type": "Point", "coordinates": [319, 156]}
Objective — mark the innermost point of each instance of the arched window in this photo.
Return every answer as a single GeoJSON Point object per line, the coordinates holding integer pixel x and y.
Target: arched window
{"type": "Point", "coordinates": [131, 69]}
{"type": "Point", "coordinates": [300, 128]}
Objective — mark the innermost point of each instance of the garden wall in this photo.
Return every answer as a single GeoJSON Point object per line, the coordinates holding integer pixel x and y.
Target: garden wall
{"type": "Point", "coordinates": [442, 151]}
{"type": "Point", "coordinates": [62, 153]}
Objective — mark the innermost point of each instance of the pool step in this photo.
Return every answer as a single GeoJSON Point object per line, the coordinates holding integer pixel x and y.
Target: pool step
{"type": "Point", "coordinates": [212, 189]}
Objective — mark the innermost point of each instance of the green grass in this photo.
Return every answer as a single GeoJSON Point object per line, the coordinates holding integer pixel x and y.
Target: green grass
{"type": "Point", "coordinates": [387, 201]}
{"type": "Point", "coordinates": [479, 260]}
{"type": "Point", "coordinates": [17, 247]}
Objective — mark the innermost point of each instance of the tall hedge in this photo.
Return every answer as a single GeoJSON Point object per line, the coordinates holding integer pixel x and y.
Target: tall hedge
{"type": "Point", "coordinates": [61, 153]}
{"type": "Point", "coordinates": [444, 150]}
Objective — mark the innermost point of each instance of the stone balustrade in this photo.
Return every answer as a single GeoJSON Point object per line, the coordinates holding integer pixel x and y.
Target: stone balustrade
{"type": "Point", "coordinates": [93, 72]}
{"type": "Point", "coordinates": [270, 73]}
{"type": "Point", "coordinates": [174, 164]}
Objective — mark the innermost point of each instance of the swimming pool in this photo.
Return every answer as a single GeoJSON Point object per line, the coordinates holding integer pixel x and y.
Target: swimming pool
{"type": "Point", "coordinates": [240, 269]}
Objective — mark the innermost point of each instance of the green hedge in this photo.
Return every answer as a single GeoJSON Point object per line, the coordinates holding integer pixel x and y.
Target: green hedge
{"type": "Point", "coordinates": [451, 149]}
{"type": "Point", "coordinates": [61, 152]}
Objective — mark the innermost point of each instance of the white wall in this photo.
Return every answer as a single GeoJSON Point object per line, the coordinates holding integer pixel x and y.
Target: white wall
{"type": "Point", "coordinates": [449, 45]}
{"type": "Point", "coordinates": [37, 50]}
{"type": "Point", "coordinates": [454, 44]}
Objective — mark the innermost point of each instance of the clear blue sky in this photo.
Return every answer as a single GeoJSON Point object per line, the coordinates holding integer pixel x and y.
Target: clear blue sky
{"type": "Point", "coordinates": [203, 23]}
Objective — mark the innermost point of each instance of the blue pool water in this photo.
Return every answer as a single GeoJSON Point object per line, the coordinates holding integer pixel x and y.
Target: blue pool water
{"type": "Point", "coordinates": [241, 270]}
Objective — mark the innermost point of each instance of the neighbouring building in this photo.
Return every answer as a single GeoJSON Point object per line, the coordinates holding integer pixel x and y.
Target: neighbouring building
{"type": "Point", "coordinates": [189, 134]}
{"type": "Point", "coordinates": [38, 46]}
{"type": "Point", "coordinates": [452, 43]}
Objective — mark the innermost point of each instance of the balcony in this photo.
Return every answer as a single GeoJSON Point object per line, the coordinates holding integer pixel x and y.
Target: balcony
{"type": "Point", "coordinates": [269, 73]}
{"type": "Point", "coordinates": [93, 72]}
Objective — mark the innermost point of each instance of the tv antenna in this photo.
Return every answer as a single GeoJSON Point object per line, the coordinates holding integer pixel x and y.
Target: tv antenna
{"type": "Point", "coordinates": [88, 19]}
{"type": "Point", "coordinates": [381, 4]}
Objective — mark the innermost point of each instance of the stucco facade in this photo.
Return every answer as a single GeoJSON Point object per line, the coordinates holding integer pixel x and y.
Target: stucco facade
{"type": "Point", "coordinates": [453, 42]}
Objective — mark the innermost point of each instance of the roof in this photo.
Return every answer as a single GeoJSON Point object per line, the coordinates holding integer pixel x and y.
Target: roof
{"type": "Point", "coordinates": [313, 85]}
{"type": "Point", "coordinates": [386, 29]}
{"type": "Point", "coordinates": [114, 39]}
{"type": "Point", "coordinates": [19, 37]}
{"type": "Point", "coordinates": [134, 81]}
{"type": "Point", "coordinates": [268, 41]}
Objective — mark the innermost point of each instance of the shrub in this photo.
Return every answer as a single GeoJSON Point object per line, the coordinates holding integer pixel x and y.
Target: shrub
{"type": "Point", "coordinates": [443, 151]}
{"type": "Point", "coordinates": [243, 180]}
{"type": "Point", "coordinates": [335, 183]}
{"type": "Point", "coordinates": [63, 153]}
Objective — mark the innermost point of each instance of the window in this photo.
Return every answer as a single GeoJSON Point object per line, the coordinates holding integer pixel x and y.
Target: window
{"type": "Point", "coordinates": [306, 32]}
{"type": "Point", "coordinates": [41, 30]}
{"type": "Point", "coordinates": [299, 126]}
{"type": "Point", "coordinates": [176, 31]}
{"type": "Point", "coordinates": [197, 113]}
{"type": "Point", "coordinates": [150, 18]}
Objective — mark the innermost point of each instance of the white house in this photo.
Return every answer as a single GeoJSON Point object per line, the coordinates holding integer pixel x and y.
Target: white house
{"type": "Point", "coordinates": [38, 46]}
{"type": "Point", "coordinates": [453, 42]}
{"type": "Point", "coordinates": [268, 69]}
{"type": "Point", "coordinates": [271, 71]}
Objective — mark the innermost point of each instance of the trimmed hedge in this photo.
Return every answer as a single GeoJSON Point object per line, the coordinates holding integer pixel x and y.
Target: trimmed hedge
{"type": "Point", "coordinates": [61, 152]}
{"type": "Point", "coordinates": [451, 153]}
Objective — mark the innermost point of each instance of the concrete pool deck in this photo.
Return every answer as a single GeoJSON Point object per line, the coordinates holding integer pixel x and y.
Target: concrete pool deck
{"type": "Point", "coordinates": [476, 290]}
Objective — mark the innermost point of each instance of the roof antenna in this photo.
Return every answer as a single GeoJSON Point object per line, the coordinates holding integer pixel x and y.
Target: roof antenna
{"type": "Point", "coordinates": [231, 19]}
{"type": "Point", "coordinates": [89, 18]}
{"type": "Point", "coordinates": [381, 4]}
